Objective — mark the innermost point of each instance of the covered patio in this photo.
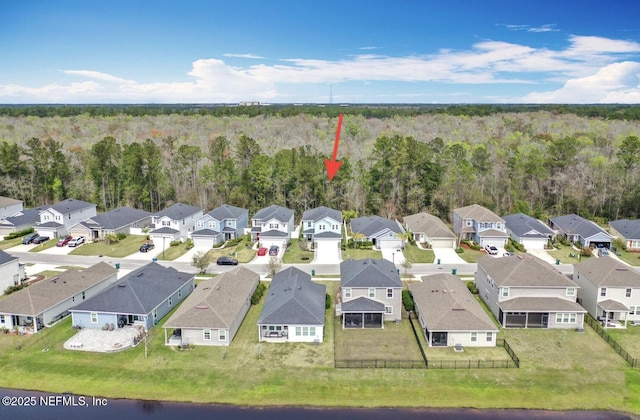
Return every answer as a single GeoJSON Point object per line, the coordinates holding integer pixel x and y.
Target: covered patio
{"type": "Point", "coordinates": [614, 314]}
{"type": "Point", "coordinates": [362, 313]}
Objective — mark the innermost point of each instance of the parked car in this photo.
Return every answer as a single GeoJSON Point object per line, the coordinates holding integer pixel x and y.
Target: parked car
{"type": "Point", "coordinates": [273, 251]}
{"type": "Point", "coordinates": [40, 239]}
{"type": "Point", "coordinates": [76, 241]}
{"type": "Point", "coordinates": [64, 241]}
{"type": "Point", "coordinates": [262, 251]}
{"type": "Point", "coordinates": [508, 254]}
{"type": "Point", "coordinates": [603, 252]}
{"type": "Point", "coordinates": [226, 261]}
{"type": "Point", "coordinates": [491, 250]}
{"type": "Point", "coordinates": [147, 246]}
{"type": "Point", "coordinates": [29, 238]}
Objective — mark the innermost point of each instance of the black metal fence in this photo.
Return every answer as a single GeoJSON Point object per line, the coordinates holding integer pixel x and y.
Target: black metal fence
{"type": "Point", "coordinates": [501, 342]}
{"type": "Point", "coordinates": [379, 364]}
{"type": "Point", "coordinates": [597, 327]}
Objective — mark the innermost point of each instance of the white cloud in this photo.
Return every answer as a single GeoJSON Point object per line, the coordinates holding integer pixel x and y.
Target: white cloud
{"type": "Point", "coordinates": [252, 56]}
{"type": "Point", "coordinates": [550, 27]}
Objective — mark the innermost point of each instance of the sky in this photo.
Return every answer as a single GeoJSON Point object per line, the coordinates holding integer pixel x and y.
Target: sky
{"type": "Point", "coordinates": [305, 51]}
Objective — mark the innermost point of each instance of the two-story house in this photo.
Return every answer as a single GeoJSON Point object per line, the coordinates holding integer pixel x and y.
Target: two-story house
{"type": "Point", "coordinates": [125, 220]}
{"type": "Point", "coordinates": [609, 290]}
{"type": "Point", "coordinates": [322, 226]}
{"type": "Point", "coordinates": [528, 231]}
{"type": "Point", "coordinates": [220, 224]}
{"type": "Point", "coordinates": [272, 226]}
{"type": "Point", "coordinates": [10, 206]}
{"type": "Point", "coordinates": [580, 230]}
{"type": "Point", "coordinates": [25, 219]}
{"type": "Point", "coordinates": [480, 225]}
{"type": "Point", "coordinates": [56, 220]}
{"type": "Point", "coordinates": [383, 233]}
{"type": "Point", "coordinates": [370, 293]}
{"type": "Point", "coordinates": [523, 291]}
{"type": "Point", "coordinates": [174, 224]}
{"type": "Point", "coordinates": [11, 271]}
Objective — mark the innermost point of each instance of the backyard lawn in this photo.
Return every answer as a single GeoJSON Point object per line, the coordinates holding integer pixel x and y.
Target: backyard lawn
{"type": "Point", "coordinates": [414, 254]}
{"type": "Point", "coordinates": [295, 254]}
{"type": "Point", "coordinates": [120, 249]}
{"type": "Point", "coordinates": [628, 339]}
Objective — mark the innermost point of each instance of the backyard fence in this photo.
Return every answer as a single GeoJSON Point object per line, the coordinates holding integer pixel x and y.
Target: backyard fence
{"type": "Point", "coordinates": [501, 342]}
{"type": "Point", "coordinates": [597, 327]}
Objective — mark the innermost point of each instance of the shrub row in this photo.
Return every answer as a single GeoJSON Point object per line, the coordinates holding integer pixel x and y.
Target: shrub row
{"type": "Point", "coordinates": [19, 234]}
{"type": "Point", "coordinates": [407, 300]}
{"type": "Point", "coordinates": [257, 295]}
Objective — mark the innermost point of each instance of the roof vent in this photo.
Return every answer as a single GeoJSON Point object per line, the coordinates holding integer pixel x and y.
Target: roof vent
{"type": "Point", "coordinates": [622, 269]}
{"type": "Point", "coordinates": [202, 307]}
{"type": "Point", "coordinates": [139, 274]}
{"type": "Point", "coordinates": [122, 285]}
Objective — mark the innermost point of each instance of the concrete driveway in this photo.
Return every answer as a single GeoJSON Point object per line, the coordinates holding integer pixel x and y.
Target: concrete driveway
{"type": "Point", "coordinates": [447, 256]}
{"type": "Point", "coordinates": [188, 256]}
{"type": "Point", "coordinates": [394, 255]}
{"type": "Point", "coordinates": [543, 255]}
{"type": "Point", "coordinates": [327, 252]}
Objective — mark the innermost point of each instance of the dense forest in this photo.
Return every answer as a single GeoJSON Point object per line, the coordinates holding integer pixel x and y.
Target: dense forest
{"type": "Point", "coordinates": [540, 160]}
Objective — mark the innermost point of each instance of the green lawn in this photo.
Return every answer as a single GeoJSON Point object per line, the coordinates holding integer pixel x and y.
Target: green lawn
{"type": "Point", "coordinates": [359, 254]}
{"type": "Point", "coordinates": [471, 255]}
{"type": "Point", "coordinates": [631, 258]}
{"type": "Point", "coordinates": [45, 245]}
{"type": "Point", "coordinates": [10, 243]}
{"type": "Point", "coordinates": [174, 252]}
{"type": "Point", "coordinates": [294, 253]}
{"type": "Point", "coordinates": [566, 254]}
{"type": "Point", "coordinates": [242, 252]}
{"type": "Point", "coordinates": [125, 247]}
{"type": "Point", "coordinates": [414, 254]}
{"type": "Point", "coordinates": [628, 339]}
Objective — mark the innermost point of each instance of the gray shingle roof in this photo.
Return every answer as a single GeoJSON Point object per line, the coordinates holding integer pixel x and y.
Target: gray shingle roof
{"type": "Point", "coordinates": [478, 213]}
{"type": "Point", "coordinates": [428, 224]}
{"type": "Point", "coordinates": [8, 201]}
{"type": "Point", "coordinates": [320, 213]}
{"type": "Point", "coordinates": [572, 224]}
{"type": "Point", "coordinates": [178, 211]}
{"type": "Point", "coordinates": [362, 304]}
{"type": "Point", "coordinates": [217, 302]}
{"type": "Point", "coordinates": [70, 205]}
{"type": "Point", "coordinates": [118, 218]}
{"type": "Point", "coordinates": [527, 227]}
{"type": "Point", "coordinates": [273, 234]}
{"type": "Point", "coordinates": [613, 306]}
{"type": "Point", "coordinates": [205, 233]}
{"type": "Point", "coordinates": [370, 225]}
{"type": "Point", "coordinates": [446, 304]}
{"type": "Point", "coordinates": [274, 211]}
{"type": "Point", "coordinates": [226, 211]}
{"type": "Point", "coordinates": [369, 273]}
{"type": "Point", "coordinates": [523, 271]}
{"type": "Point", "coordinates": [46, 294]}
{"type": "Point", "coordinates": [139, 292]}
{"type": "Point", "coordinates": [540, 304]}
{"type": "Point", "coordinates": [607, 272]}
{"type": "Point", "coordinates": [25, 217]}
{"type": "Point", "coordinates": [293, 298]}
{"type": "Point", "coordinates": [629, 229]}
{"type": "Point", "coordinates": [5, 258]}
{"type": "Point", "coordinates": [164, 229]}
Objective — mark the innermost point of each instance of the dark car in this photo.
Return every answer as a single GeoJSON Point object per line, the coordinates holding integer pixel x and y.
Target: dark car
{"type": "Point", "coordinates": [226, 261]}
{"type": "Point", "coordinates": [273, 251]}
{"type": "Point", "coordinates": [147, 247]}
{"type": "Point", "coordinates": [40, 239]}
{"type": "Point", "coordinates": [29, 238]}
{"type": "Point", "coordinates": [64, 241]}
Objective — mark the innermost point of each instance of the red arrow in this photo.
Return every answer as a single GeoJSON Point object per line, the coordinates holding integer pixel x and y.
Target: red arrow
{"type": "Point", "coordinates": [333, 165]}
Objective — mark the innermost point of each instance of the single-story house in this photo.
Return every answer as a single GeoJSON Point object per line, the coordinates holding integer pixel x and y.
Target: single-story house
{"type": "Point", "coordinates": [11, 271]}
{"type": "Point", "coordinates": [578, 229]}
{"type": "Point", "coordinates": [142, 297]}
{"type": "Point", "coordinates": [429, 229]}
{"type": "Point", "coordinates": [449, 314]}
{"type": "Point", "coordinates": [25, 219]}
{"type": "Point", "coordinates": [49, 300]}
{"type": "Point", "coordinates": [528, 231]}
{"type": "Point", "coordinates": [383, 233]}
{"type": "Point", "coordinates": [628, 231]}
{"type": "Point", "coordinates": [212, 314]}
{"type": "Point", "coordinates": [125, 220]}
{"type": "Point", "coordinates": [294, 309]}
{"type": "Point", "coordinates": [10, 206]}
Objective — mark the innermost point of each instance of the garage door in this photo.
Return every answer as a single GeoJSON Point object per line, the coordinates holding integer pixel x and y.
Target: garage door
{"type": "Point", "coordinates": [534, 243]}
{"type": "Point", "coordinates": [443, 243]}
{"type": "Point", "coordinates": [202, 242]}
{"type": "Point", "coordinates": [390, 243]}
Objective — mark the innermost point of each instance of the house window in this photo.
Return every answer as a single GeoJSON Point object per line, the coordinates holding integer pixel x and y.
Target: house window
{"type": "Point", "coordinates": [94, 318]}
{"type": "Point", "coordinates": [633, 310]}
{"type": "Point", "coordinates": [298, 331]}
{"type": "Point", "coordinates": [273, 226]}
{"type": "Point", "coordinates": [200, 224]}
{"type": "Point", "coordinates": [571, 291]}
{"type": "Point", "coordinates": [304, 331]}
{"type": "Point", "coordinates": [389, 293]}
{"type": "Point", "coordinates": [628, 293]}
{"type": "Point", "coordinates": [347, 292]}
{"type": "Point", "coordinates": [1, 319]}
{"type": "Point", "coordinates": [170, 300]}
{"type": "Point", "coordinates": [179, 293]}
{"type": "Point", "coordinates": [321, 227]}
{"type": "Point", "coordinates": [505, 292]}
{"type": "Point", "coordinates": [566, 318]}
{"type": "Point", "coordinates": [474, 336]}
{"type": "Point", "coordinates": [83, 295]}
{"type": "Point", "coordinates": [206, 335]}
{"type": "Point", "coordinates": [603, 291]}
{"type": "Point", "coordinates": [388, 310]}
{"type": "Point", "coordinates": [155, 314]}
{"type": "Point", "coordinates": [372, 292]}
{"type": "Point", "coordinates": [222, 335]}
{"type": "Point", "coordinates": [312, 331]}
{"type": "Point", "coordinates": [489, 337]}
{"type": "Point", "coordinates": [309, 224]}
{"type": "Point", "coordinates": [166, 223]}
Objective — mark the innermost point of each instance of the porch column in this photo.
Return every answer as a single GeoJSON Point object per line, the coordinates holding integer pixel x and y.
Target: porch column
{"type": "Point", "coordinates": [362, 320]}
{"type": "Point", "coordinates": [526, 319]}
{"type": "Point", "coordinates": [166, 340]}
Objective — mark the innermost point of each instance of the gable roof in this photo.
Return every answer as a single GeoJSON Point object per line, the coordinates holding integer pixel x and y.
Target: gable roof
{"type": "Point", "coordinates": [293, 298]}
{"type": "Point", "coordinates": [523, 271]}
{"type": "Point", "coordinates": [428, 224]}
{"type": "Point", "coordinates": [217, 302]}
{"type": "Point", "coordinates": [320, 213]}
{"type": "Point", "coordinates": [479, 213]}
{"type": "Point", "coordinates": [5, 258]}
{"type": "Point", "coordinates": [69, 206]}
{"type": "Point", "coordinates": [540, 304]}
{"type": "Point", "coordinates": [25, 217]}
{"type": "Point", "coordinates": [607, 272]}
{"type": "Point", "coordinates": [139, 292]}
{"type": "Point", "coordinates": [370, 225]}
{"type": "Point", "coordinates": [178, 211]}
{"type": "Point", "coordinates": [369, 273]}
{"type": "Point", "coordinates": [362, 304]}
{"type": "Point", "coordinates": [8, 201]}
{"type": "Point", "coordinates": [446, 304]}
{"type": "Point", "coordinates": [274, 211]}
{"type": "Point", "coordinates": [525, 226]}
{"type": "Point", "coordinates": [117, 218]}
{"type": "Point", "coordinates": [226, 211]}
{"type": "Point", "coordinates": [629, 229]}
{"type": "Point", "coordinates": [572, 224]}
{"type": "Point", "coordinates": [45, 294]}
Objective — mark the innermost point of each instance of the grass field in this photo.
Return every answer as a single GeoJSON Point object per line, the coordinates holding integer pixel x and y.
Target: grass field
{"type": "Point", "coordinates": [294, 254]}
{"type": "Point", "coordinates": [125, 247]}
{"type": "Point", "coordinates": [414, 254]}
{"type": "Point", "coordinates": [10, 243]}
{"type": "Point", "coordinates": [560, 369]}
{"type": "Point", "coordinates": [359, 254]}
{"type": "Point", "coordinates": [241, 252]}
{"type": "Point", "coordinates": [631, 258]}
{"type": "Point", "coordinates": [45, 245]}
{"type": "Point", "coordinates": [566, 254]}
{"type": "Point", "coordinates": [471, 255]}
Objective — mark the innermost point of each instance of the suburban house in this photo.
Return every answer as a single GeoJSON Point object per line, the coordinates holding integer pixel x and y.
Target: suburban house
{"type": "Point", "coordinates": [528, 231]}
{"type": "Point", "coordinates": [294, 309]}
{"type": "Point", "coordinates": [523, 291]}
{"type": "Point", "coordinates": [383, 233]}
{"type": "Point", "coordinates": [22, 220]}
{"type": "Point", "coordinates": [628, 231]}
{"type": "Point", "coordinates": [272, 226]}
{"type": "Point", "coordinates": [480, 225]}
{"type": "Point", "coordinates": [173, 224]}
{"type": "Point", "coordinates": [49, 300]}
{"type": "Point", "coordinates": [322, 226]}
{"type": "Point", "coordinates": [142, 297]}
{"type": "Point", "coordinates": [10, 206]}
{"type": "Point", "coordinates": [212, 314]}
{"type": "Point", "coordinates": [609, 290]}
{"type": "Point", "coordinates": [449, 314]}
{"type": "Point", "coordinates": [430, 230]}
{"type": "Point", "coordinates": [370, 293]}
{"type": "Point", "coordinates": [125, 220]}
{"type": "Point", "coordinates": [56, 220]}
{"type": "Point", "coordinates": [220, 224]}
{"type": "Point", "coordinates": [11, 271]}
{"type": "Point", "coordinates": [578, 229]}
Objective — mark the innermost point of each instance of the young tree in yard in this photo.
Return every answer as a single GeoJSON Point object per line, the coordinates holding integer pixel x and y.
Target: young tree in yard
{"type": "Point", "coordinates": [406, 264]}
{"type": "Point", "coordinates": [200, 261]}
{"type": "Point", "coordinates": [273, 266]}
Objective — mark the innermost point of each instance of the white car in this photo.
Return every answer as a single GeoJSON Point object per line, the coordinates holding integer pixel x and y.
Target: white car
{"type": "Point", "coordinates": [491, 250]}
{"type": "Point", "coordinates": [76, 241]}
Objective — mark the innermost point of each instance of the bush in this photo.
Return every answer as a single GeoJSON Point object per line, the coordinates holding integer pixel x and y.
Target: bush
{"type": "Point", "coordinates": [472, 287]}
{"type": "Point", "coordinates": [327, 301]}
{"type": "Point", "coordinates": [619, 245]}
{"type": "Point", "coordinates": [512, 246]}
{"type": "Point", "coordinates": [257, 295]}
{"type": "Point", "coordinates": [12, 289]}
{"type": "Point", "coordinates": [407, 300]}
{"type": "Point", "coordinates": [459, 250]}
{"type": "Point", "coordinates": [175, 243]}
{"type": "Point", "coordinates": [472, 245]}
{"type": "Point", "coordinates": [19, 234]}
{"type": "Point", "coordinates": [586, 251]}
{"type": "Point", "coordinates": [189, 244]}
{"type": "Point", "coordinates": [121, 235]}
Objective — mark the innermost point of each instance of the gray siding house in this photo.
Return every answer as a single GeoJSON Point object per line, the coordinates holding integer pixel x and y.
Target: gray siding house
{"type": "Point", "coordinates": [294, 309]}
{"type": "Point", "coordinates": [370, 293]}
{"type": "Point", "coordinates": [10, 206]}
{"type": "Point", "coordinates": [272, 226]}
{"type": "Point", "coordinates": [382, 232]}
{"type": "Point", "coordinates": [11, 271]}
{"type": "Point", "coordinates": [212, 314]}
{"type": "Point", "coordinates": [220, 224]}
{"type": "Point", "coordinates": [429, 229]}
{"type": "Point", "coordinates": [628, 231]}
{"type": "Point", "coordinates": [56, 220]}
{"type": "Point", "coordinates": [174, 223]}
{"type": "Point", "coordinates": [22, 220]}
{"type": "Point", "coordinates": [528, 231]}
{"type": "Point", "coordinates": [142, 297]}
{"type": "Point", "coordinates": [523, 291]}
{"type": "Point", "coordinates": [578, 229]}
{"type": "Point", "coordinates": [121, 220]}
{"type": "Point", "coordinates": [480, 225]}
{"type": "Point", "coordinates": [34, 307]}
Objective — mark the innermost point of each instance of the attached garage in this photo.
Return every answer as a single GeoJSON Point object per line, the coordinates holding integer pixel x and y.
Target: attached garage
{"type": "Point", "coordinates": [206, 238]}
{"type": "Point", "coordinates": [327, 251]}
{"type": "Point", "coordinates": [533, 243]}
{"type": "Point", "coordinates": [389, 242]}
{"type": "Point", "coordinates": [443, 243]}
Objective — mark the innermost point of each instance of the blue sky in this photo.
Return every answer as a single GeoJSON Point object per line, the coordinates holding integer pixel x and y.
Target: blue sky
{"type": "Point", "coordinates": [402, 51]}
